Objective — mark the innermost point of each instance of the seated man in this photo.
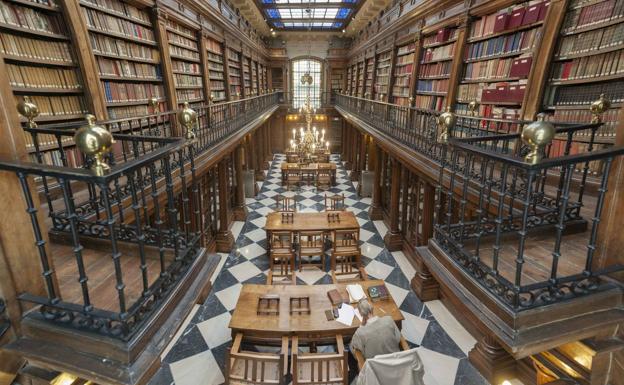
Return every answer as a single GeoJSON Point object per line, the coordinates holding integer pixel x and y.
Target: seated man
{"type": "Point", "coordinates": [376, 335]}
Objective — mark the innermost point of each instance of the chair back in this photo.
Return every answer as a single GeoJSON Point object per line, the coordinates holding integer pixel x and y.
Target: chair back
{"type": "Point", "coordinates": [349, 238]}
{"type": "Point", "coordinates": [335, 202]}
{"type": "Point", "coordinates": [246, 367]}
{"type": "Point", "coordinates": [403, 367]}
{"type": "Point", "coordinates": [321, 368]}
{"type": "Point", "coordinates": [310, 239]}
{"type": "Point", "coordinates": [285, 204]}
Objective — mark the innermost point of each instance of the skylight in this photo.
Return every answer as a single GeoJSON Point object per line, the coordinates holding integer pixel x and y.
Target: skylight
{"type": "Point", "coordinates": [304, 14]}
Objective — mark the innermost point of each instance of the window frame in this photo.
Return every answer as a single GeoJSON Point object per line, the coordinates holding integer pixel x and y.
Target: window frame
{"type": "Point", "coordinates": [315, 98]}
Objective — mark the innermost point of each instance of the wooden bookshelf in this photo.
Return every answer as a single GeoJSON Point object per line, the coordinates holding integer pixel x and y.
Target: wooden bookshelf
{"type": "Point", "coordinates": [498, 55]}
{"type": "Point", "coordinates": [119, 33]}
{"type": "Point", "coordinates": [337, 79]}
{"type": "Point", "coordinates": [349, 79]}
{"type": "Point", "coordinates": [382, 75]}
{"type": "Point", "coordinates": [246, 76]}
{"type": "Point", "coordinates": [185, 63]}
{"type": "Point", "coordinates": [369, 78]}
{"type": "Point", "coordinates": [235, 73]}
{"type": "Point", "coordinates": [588, 61]}
{"type": "Point", "coordinates": [353, 82]}
{"type": "Point", "coordinates": [40, 60]}
{"type": "Point", "coordinates": [254, 77]}
{"type": "Point", "coordinates": [216, 70]}
{"type": "Point", "coordinates": [277, 78]}
{"type": "Point", "coordinates": [435, 68]}
{"type": "Point", "coordinates": [360, 79]}
{"type": "Point", "coordinates": [402, 75]}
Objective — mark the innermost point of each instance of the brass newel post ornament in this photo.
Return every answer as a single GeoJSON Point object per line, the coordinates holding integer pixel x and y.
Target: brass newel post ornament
{"type": "Point", "coordinates": [599, 107]}
{"type": "Point", "coordinates": [29, 110]}
{"type": "Point", "coordinates": [95, 141]}
{"type": "Point", "coordinates": [410, 101]}
{"type": "Point", "coordinates": [537, 136]}
{"type": "Point", "coordinates": [211, 98]}
{"type": "Point", "coordinates": [153, 104]}
{"type": "Point", "coordinates": [473, 107]}
{"type": "Point", "coordinates": [446, 122]}
{"type": "Point", "coordinates": [187, 118]}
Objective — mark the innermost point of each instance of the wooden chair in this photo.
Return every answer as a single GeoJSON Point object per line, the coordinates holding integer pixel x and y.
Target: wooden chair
{"type": "Point", "coordinates": [335, 202]}
{"type": "Point", "coordinates": [319, 368]}
{"type": "Point", "coordinates": [247, 367]}
{"type": "Point", "coordinates": [346, 251]}
{"type": "Point", "coordinates": [346, 272]}
{"type": "Point", "coordinates": [322, 158]}
{"type": "Point", "coordinates": [285, 204]}
{"type": "Point", "coordinates": [293, 177]}
{"type": "Point", "coordinates": [311, 244]}
{"type": "Point", "coordinates": [360, 357]}
{"type": "Point", "coordinates": [282, 259]}
{"type": "Point", "coordinates": [324, 179]}
{"type": "Point", "coordinates": [292, 158]}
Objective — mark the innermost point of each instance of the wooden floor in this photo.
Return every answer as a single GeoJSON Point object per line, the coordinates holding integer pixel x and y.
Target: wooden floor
{"type": "Point", "coordinates": [100, 271]}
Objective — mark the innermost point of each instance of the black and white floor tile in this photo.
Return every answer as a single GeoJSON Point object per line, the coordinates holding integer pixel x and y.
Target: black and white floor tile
{"type": "Point", "coordinates": [197, 356]}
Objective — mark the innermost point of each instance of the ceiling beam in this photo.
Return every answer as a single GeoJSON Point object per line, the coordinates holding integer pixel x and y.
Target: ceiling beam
{"type": "Point", "coordinates": [308, 20]}
{"type": "Point", "coordinates": [310, 6]}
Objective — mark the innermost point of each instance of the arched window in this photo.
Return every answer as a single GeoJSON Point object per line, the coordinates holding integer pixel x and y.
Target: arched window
{"type": "Point", "coordinates": [299, 68]}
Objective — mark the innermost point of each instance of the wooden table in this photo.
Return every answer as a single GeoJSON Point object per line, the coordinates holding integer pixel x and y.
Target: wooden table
{"type": "Point", "coordinates": [311, 168]}
{"type": "Point", "coordinates": [313, 327]}
{"type": "Point", "coordinates": [311, 222]}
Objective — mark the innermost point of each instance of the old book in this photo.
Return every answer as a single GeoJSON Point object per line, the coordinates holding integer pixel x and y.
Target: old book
{"type": "Point", "coordinates": [336, 298]}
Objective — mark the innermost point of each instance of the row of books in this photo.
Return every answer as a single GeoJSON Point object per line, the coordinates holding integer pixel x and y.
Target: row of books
{"type": "Point", "coordinates": [130, 92]}
{"type": "Point", "coordinates": [175, 38]}
{"type": "Point", "coordinates": [492, 112]}
{"type": "Point", "coordinates": [73, 158]}
{"type": "Point", "coordinates": [235, 90]}
{"type": "Point", "coordinates": [42, 77]}
{"type": "Point", "coordinates": [214, 46]}
{"type": "Point", "coordinates": [215, 75]}
{"type": "Point", "coordinates": [441, 36]}
{"type": "Point", "coordinates": [119, 112]}
{"type": "Point", "coordinates": [218, 95]}
{"type": "Point", "coordinates": [403, 81]}
{"type": "Point", "coordinates": [22, 46]}
{"type": "Point", "coordinates": [585, 94]}
{"type": "Point", "coordinates": [518, 42]}
{"type": "Point", "coordinates": [110, 46]}
{"type": "Point", "coordinates": [189, 95]}
{"type": "Point", "coordinates": [190, 68]}
{"type": "Point", "coordinates": [433, 85]}
{"type": "Point", "coordinates": [609, 119]}
{"type": "Point", "coordinates": [435, 69]}
{"type": "Point", "coordinates": [558, 148]}
{"type": "Point", "coordinates": [519, 16]}
{"type": "Point", "coordinates": [180, 29]}
{"type": "Point", "coordinates": [57, 105]}
{"type": "Point", "coordinates": [234, 72]}
{"type": "Point", "coordinates": [174, 50]}
{"type": "Point", "coordinates": [593, 40]}
{"type": "Point", "coordinates": [587, 67]}
{"type": "Point", "coordinates": [429, 102]}
{"type": "Point", "coordinates": [121, 8]}
{"type": "Point", "coordinates": [400, 91]}
{"type": "Point", "coordinates": [406, 49]}
{"type": "Point", "coordinates": [498, 68]}
{"type": "Point", "coordinates": [438, 53]}
{"type": "Point", "coordinates": [181, 80]}
{"type": "Point", "coordinates": [215, 67]}
{"type": "Point", "coordinates": [404, 60]}
{"type": "Point", "coordinates": [128, 69]}
{"type": "Point", "coordinates": [593, 14]}
{"type": "Point", "coordinates": [25, 17]}
{"type": "Point", "coordinates": [385, 71]}
{"type": "Point", "coordinates": [108, 23]}
{"type": "Point", "coordinates": [216, 85]}
{"type": "Point", "coordinates": [214, 58]}
{"type": "Point", "coordinates": [46, 140]}
{"type": "Point", "coordinates": [406, 69]}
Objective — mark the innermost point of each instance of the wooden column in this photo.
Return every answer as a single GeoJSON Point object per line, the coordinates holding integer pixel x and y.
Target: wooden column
{"type": "Point", "coordinates": [348, 143]}
{"type": "Point", "coordinates": [423, 283]}
{"type": "Point", "coordinates": [492, 361]}
{"type": "Point", "coordinates": [393, 238]}
{"type": "Point", "coordinates": [224, 239]}
{"type": "Point", "coordinates": [457, 63]}
{"type": "Point", "coordinates": [374, 212]}
{"type": "Point", "coordinates": [240, 209]}
{"type": "Point", "coordinates": [355, 174]}
{"type": "Point", "coordinates": [160, 32]}
{"type": "Point", "coordinates": [268, 154]}
{"type": "Point", "coordinates": [258, 148]}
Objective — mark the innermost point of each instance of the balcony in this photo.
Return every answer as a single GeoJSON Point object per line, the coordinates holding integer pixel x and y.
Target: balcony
{"type": "Point", "coordinates": [120, 236]}
{"type": "Point", "coordinates": [512, 239]}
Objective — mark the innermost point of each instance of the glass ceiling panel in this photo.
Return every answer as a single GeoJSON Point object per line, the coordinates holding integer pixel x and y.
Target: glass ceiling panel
{"type": "Point", "coordinates": [323, 14]}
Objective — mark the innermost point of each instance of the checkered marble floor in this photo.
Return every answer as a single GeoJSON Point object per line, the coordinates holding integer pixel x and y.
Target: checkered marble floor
{"type": "Point", "coordinates": [197, 356]}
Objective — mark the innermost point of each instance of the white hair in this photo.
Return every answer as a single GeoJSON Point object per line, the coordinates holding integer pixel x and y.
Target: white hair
{"type": "Point", "coordinates": [365, 308]}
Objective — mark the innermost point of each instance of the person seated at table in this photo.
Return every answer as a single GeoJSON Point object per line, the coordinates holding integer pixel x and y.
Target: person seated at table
{"type": "Point", "coordinates": [376, 335]}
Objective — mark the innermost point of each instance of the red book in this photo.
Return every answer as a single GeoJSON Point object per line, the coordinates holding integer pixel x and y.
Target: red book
{"type": "Point", "coordinates": [442, 35]}
{"type": "Point", "coordinates": [488, 95]}
{"type": "Point", "coordinates": [502, 93]}
{"type": "Point", "coordinates": [521, 67]}
{"type": "Point", "coordinates": [531, 15]}
{"type": "Point", "coordinates": [501, 22]}
{"type": "Point", "coordinates": [543, 10]}
{"type": "Point", "coordinates": [517, 15]}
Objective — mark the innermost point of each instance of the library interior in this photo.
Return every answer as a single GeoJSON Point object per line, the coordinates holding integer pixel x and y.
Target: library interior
{"type": "Point", "coordinates": [318, 192]}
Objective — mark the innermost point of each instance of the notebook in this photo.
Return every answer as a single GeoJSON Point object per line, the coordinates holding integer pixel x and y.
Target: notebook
{"type": "Point", "coordinates": [356, 293]}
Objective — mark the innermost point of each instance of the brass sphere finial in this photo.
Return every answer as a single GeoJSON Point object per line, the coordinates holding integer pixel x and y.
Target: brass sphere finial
{"type": "Point", "coordinates": [187, 118]}
{"type": "Point", "coordinates": [153, 103]}
{"type": "Point", "coordinates": [29, 110]}
{"type": "Point", "coordinates": [410, 100]}
{"type": "Point", "coordinates": [473, 107]}
{"type": "Point", "coordinates": [446, 122]}
{"type": "Point", "coordinates": [537, 136]}
{"type": "Point", "coordinates": [94, 140]}
{"type": "Point", "coordinates": [211, 98]}
{"type": "Point", "coordinates": [599, 107]}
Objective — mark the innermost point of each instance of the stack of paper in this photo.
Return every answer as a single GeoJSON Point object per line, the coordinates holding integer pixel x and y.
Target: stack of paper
{"type": "Point", "coordinates": [345, 314]}
{"type": "Point", "coordinates": [356, 292]}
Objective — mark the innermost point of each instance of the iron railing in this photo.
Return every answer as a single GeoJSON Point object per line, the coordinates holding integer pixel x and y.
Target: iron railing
{"type": "Point", "coordinates": [497, 213]}
{"type": "Point", "coordinates": [140, 222]}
